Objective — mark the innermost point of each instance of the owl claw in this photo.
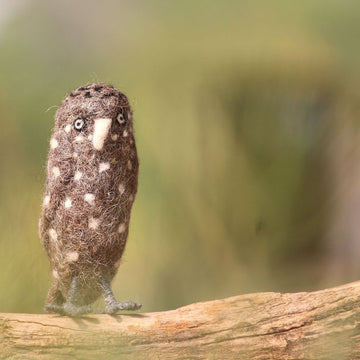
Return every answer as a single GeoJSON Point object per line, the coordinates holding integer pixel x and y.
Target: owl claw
{"type": "Point", "coordinates": [113, 308]}
{"type": "Point", "coordinates": [68, 309]}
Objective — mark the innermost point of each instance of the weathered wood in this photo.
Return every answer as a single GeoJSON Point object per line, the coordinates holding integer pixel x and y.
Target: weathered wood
{"type": "Point", "coordinates": [318, 325]}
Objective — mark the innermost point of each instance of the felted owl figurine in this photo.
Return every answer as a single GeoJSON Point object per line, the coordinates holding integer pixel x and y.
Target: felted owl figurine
{"type": "Point", "coordinates": [92, 175]}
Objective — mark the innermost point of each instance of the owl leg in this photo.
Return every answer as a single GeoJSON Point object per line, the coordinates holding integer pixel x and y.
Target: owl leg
{"type": "Point", "coordinates": [111, 305]}
{"type": "Point", "coordinates": [69, 307]}
{"type": "Point", "coordinates": [54, 295]}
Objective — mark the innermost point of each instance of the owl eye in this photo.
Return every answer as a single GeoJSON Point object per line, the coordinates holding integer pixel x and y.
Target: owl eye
{"type": "Point", "coordinates": [79, 124]}
{"type": "Point", "coordinates": [121, 119]}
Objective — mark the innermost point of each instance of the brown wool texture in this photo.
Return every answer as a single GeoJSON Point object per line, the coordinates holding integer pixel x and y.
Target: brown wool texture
{"type": "Point", "coordinates": [90, 188]}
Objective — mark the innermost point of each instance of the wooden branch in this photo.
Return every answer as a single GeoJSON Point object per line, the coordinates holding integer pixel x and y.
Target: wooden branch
{"type": "Point", "coordinates": [318, 325]}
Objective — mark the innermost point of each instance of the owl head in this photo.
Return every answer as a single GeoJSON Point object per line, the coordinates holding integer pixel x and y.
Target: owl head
{"type": "Point", "coordinates": [92, 116]}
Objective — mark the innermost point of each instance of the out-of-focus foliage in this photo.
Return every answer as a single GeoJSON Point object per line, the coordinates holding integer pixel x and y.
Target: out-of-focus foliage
{"type": "Point", "coordinates": [246, 122]}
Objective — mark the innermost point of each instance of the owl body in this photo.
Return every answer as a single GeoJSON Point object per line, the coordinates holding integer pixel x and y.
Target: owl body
{"type": "Point", "coordinates": [92, 174]}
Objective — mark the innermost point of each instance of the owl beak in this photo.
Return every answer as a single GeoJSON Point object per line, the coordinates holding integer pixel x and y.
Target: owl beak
{"type": "Point", "coordinates": [101, 130]}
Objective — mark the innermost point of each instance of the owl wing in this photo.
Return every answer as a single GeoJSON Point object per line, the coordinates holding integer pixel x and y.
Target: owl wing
{"type": "Point", "coordinates": [60, 175]}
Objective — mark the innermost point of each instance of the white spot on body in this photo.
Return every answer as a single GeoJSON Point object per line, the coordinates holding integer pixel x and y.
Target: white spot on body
{"type": "Point", "coordinates": [90, 137]}
{"type": "Point", "coordinates": [129, 165]}
{"type": "Point", "coordinates": [90, 198]}
{"type": "Point", "coordinates": [46, 200]}
{"type": "Point", "coordinates": [122, 228]}
{"type": "Point", "coordinates": [77, 175]}
{"type": "Point", "coordinates": [114, 137]}
{"type": "Point", "coordinates": [56, 171]}
{"type": "Point", "coordinates": [55, 274]}
{"type": "Point", "coordinates": [121, 189]}
{"type": "Point", "coordinates": [54, 143]}
{"type": "Point", "coordinates": [67, 128]}
{"type": "Point", "coordinates": [68, 203]}
{"type": "Point", "coordinates": [117, 264]}
{"type": "Point", "coordinates": [75, 155]}
{"type": "Point", "coordinates": [125, 133]}
{"type": "Point", "coordinates": [72, 256]}
{"type": "Point", "coordinates": [131, 198]}
{"type": "Point", "coordinates": [79, 138]}
{"type": "Point", "coordinates": [53, 235]}
{"type": "Point", "coordinates": [104, 167]}
{"type": "Point", "coordinates": [93, 223]}
{"type": "Point", "coordinates": [101, 130]}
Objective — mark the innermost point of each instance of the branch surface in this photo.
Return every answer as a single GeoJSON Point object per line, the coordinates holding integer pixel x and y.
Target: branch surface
{"type": "Point", "coordinates": [315, 325]}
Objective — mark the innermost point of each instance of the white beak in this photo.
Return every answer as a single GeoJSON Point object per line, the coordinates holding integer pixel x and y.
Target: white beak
{"type": "Point", "coordinates": [101, 130]}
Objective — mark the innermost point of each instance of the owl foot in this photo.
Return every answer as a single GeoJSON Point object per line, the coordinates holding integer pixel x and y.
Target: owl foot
{"type": "Point", "coordinates": [68, 309]}
{"type": "Point", "coordinates": [114, 307]}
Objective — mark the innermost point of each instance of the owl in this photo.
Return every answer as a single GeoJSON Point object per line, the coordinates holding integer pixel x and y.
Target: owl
{"type": "Point", "coordinates": [92, 176]}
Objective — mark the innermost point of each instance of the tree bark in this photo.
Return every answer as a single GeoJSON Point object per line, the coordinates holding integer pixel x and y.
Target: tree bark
{"type": "Point", "coordinates": [315, 325]}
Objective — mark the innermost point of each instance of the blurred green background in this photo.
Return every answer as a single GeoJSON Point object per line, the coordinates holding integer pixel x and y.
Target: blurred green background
{"type": "Point", "coordinates": [246, 118]}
